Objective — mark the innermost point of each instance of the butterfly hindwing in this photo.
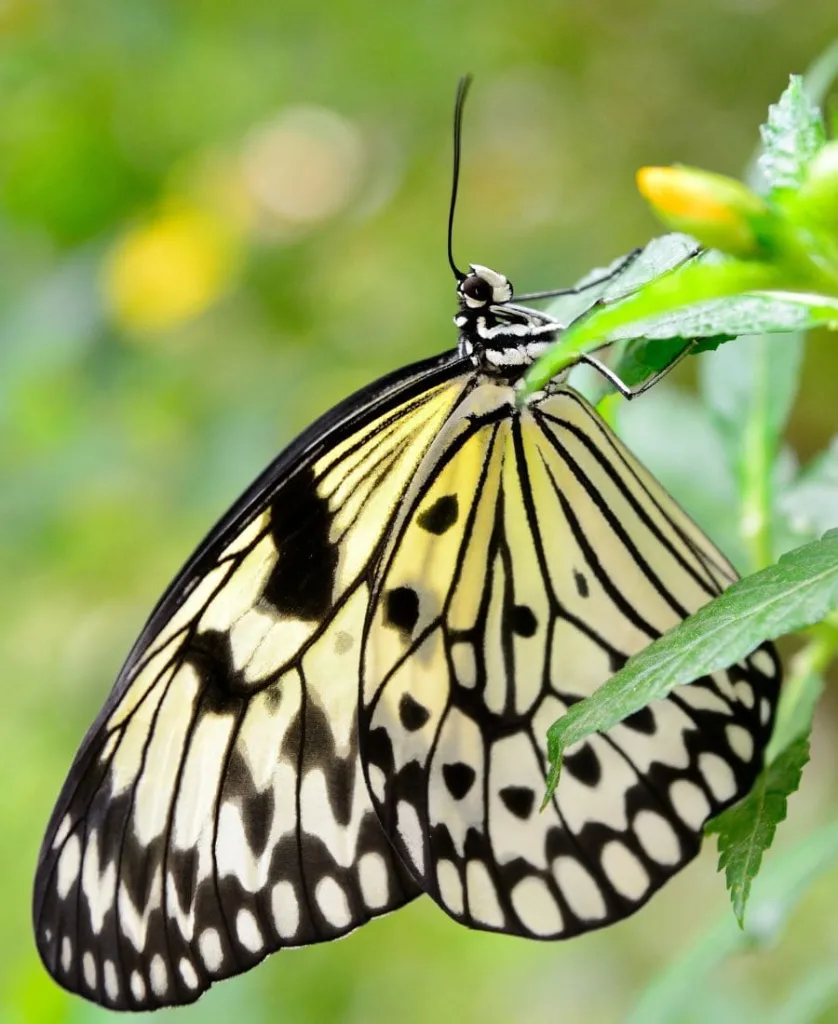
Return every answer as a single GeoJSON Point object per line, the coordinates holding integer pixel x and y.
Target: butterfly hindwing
{"type": "Point", "coordinates": [532, 556]}
{"type": "Point", "coordinates": [217, 810]}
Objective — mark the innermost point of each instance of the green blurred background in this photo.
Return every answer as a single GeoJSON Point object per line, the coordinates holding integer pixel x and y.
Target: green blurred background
{"type": "Point", "coordinates": [216, 220]}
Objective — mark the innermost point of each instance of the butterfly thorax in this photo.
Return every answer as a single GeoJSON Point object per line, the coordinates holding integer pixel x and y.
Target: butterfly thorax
{"type": "Point", "coordinates": [501, 338]}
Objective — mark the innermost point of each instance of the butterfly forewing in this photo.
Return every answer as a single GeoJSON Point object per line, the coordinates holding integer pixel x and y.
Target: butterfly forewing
{"type": "Point", "coordinates": [531, 558]}
{"type": "Point", "coordinates": [217, 809]}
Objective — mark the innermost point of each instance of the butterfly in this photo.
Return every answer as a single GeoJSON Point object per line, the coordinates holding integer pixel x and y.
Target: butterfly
{"type": "Point", "coordinates": [342, 700]}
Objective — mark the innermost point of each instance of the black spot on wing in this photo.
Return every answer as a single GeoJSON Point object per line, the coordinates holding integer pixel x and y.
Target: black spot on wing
{"type": "Point", "coordinates": [441, 516]}
{"type": "Point", "coordinates": [402, 608]}
{"type": "Point", "coordinates": [258, 812]}
{"type": "Point", "coordinates": [583, 765]}
{"type": "Point", "coordinates": [581, 583]}
{"type": "Point", "coordinates": [320, 753]}
{"type": "Point", "coordinates": [642, 721]}
{"type": "Point", "coordinates": [302, 581]}
{"type": "Point", "coordinates": [413, 715]}
{"type": "Point", "coordinates": [139, 869]}
{"type": "Point", "coordinates": [459, 778]}
{"type": "Point", "coordinates": [522, 620]}
{"type": "Point", "coordinates": [518, 800]}
{"type": "Point", "coordinates": [182, 866]}
{"type": "Point", "coordinates": [210, 655]}
{"type": "Point", "coordinates": [379, 750]}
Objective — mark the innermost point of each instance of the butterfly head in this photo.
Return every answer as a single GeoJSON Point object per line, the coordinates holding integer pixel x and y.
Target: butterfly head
{"type": "Point", "coordinates": [482, 288]}
{"type": "Point", "coordinates": [502, 339]}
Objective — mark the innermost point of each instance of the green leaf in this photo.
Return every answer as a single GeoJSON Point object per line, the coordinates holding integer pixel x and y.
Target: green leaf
{"type": "Point", "coordinates": [641, 357]}
{"type": "Point", "coordinates": [798, 699]}
{"type": "Point", "coordinates": [747, 830]}
{"type": "Point", "coordinates": [750, 388]}
{"type": "Point", "coordinates": [810, 504]}
{"type": "Point", "coordinates": [794, 133]}
{"type": "Point", "coordinates": [798, 591]}
{"type": "Point", "coordinates": [803, 686]}
{"type": "Point", "coordinates": [700, 299]}
{"type": "Point", "coordinates": [777, 891]}
{"type": "Point", "coordinates": [728, 318]}
{"type": "Point", "coordinates": [610, 284]}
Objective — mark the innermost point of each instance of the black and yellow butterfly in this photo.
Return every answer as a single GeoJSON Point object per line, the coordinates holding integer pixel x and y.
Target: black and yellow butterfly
{"type": "Point", "coordinates": [341, 702]}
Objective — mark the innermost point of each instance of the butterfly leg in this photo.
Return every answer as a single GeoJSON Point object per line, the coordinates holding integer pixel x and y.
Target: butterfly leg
{"type": "Point", "coordinates": [577, 289]}
{"type": "Point", "coordinates": [633, 392]}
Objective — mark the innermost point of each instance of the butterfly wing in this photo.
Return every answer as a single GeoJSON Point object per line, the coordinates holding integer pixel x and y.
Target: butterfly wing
{"type": "Point", "coordinates": [532, 556]}
{"type": "Point", "coordinates": [216, 810]}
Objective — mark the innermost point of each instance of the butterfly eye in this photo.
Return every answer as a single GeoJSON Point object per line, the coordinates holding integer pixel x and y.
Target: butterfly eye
{"type": "Point", "coordinates": [476, 290]}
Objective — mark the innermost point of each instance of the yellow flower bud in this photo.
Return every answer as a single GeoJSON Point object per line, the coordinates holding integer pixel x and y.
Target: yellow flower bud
{"type": "Point", "coordinates": [720, 212]}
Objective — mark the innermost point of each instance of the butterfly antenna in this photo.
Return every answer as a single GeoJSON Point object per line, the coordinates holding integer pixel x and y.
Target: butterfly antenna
{"type": "Point", "coordinates": [459, 103]}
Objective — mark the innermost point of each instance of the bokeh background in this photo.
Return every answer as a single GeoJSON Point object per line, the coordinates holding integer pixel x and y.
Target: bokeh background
{"type": "Point", "coordinates": [218, 219]}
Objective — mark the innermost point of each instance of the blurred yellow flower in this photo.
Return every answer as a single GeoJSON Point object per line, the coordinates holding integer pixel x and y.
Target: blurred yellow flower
{"type": "Point", "coordinates": [169, 269]}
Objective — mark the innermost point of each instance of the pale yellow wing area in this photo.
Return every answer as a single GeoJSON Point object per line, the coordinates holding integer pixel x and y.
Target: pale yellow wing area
{"type": "Point", "coordinates": [217, 809]}
{"type": "Point", "coordinates": [532, 556]}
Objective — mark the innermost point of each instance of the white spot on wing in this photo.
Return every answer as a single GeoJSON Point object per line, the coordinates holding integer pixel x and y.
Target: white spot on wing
{"type": "Point", "coordinates": [483, 902]}
{"type": "Point", "coordinates": [718, 775]}
{"type": "Point", "coordinates": [188, 973]}
{"type": "Point", "coordinates": [410, 830]}
{"type": "Point", "coordinates": [657, 837]}
{"type": "Point", "coordinates": [497, 684]}
{"type": "Point", "coordinates": [377, 782]}
{"type": "Point", "coordinates": [624, 870]}
{"type": "Point", "coordinates": [763, 663]}
{"type": "Point", "coordinates": [66, 954]}
{"type": "Point", "coordinates": [99, 887]}
{"type": "Point", "coordinates": [465, 666]}
{"type": "Point", "coordinates": [68, 866]}
{"type": "Point", "coordinates": [764, 711]}
{"type": "Point", "coordinates": [209, 946]}
{"type": "Point", "coordinates": [373, 878]}
{"type": "Point", "coordinates": [319, 820]}
{"type": "Point", "coordinates": [744, 693]}
{"type": "Point", "coordinates": [158, 976]}
{"type": "Point", "coordinates": [579, 888]}
{"type": "Point", "coordinates": [248, 931]}
{"type": "Point", "coordinates": [450, 886]}
{"type": "Point", "coordinates": [535, 906]}
{"type": "Point", "coordinates": [61, 834]}
{"type": "Point", "coordinates": [137, 986]}
{"type": "Point", "coordinates": [741, 742]}
{"type": "Point", "coordinates": [702, 698]}
{"type": "Point", "coordinates": [88, 966]}
{"type": "Point", "coordinates": [111, 981]}
{"type": "Point", "coordinates": [285, 908]}
{"type": "Point", "coordinates": [689, 803]}
{"type": "Point", "coordinates": [332, 902]}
